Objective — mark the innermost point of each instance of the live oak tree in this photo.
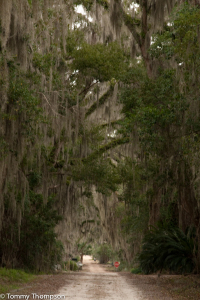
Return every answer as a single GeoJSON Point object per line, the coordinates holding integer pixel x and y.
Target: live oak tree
{"type": "Point", "coordinates": [57, 69]}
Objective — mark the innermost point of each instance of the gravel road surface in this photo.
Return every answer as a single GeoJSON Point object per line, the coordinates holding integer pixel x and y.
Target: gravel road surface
{"type": "Point", "coordinates": [95, 283]}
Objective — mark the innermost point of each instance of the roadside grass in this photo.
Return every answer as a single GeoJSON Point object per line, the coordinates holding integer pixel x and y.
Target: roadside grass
{"type": "Point", "coordinates": [11, 279]}
{"type": "Point", "coordinates": [136, 271]}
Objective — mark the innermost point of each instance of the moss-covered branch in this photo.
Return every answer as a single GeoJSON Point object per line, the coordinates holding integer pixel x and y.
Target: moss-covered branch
{"type": "Point", "coordinates": [130, 22]}
{"type": "Point", "coordinates": [102, 100]}
{"type": "Point", "coordinates": [112, 123]}
{"type": "Point", "coordinates": [114, 143]}
{"type": "Point", "coordinates": [87, 221]}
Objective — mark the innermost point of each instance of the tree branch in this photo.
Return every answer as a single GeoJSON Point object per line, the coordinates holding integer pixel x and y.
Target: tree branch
{"type": "Point", "coordinates": [114, 143]}
{"type": "Point", "coordinates": [101, 101]}
{"type": "Point", "coordinates": [130, 22]}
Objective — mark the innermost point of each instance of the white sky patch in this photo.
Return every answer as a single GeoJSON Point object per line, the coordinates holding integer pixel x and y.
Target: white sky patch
{"type": "Point", "coordinates": [81, 10]}
{"type": "Point", "coordinates": [76, 26]}
{"type": "Point", "coordinates": [139, 59]}
{"type": "Point", "coordinates": [113, 134]}
{"type": "Point", "coordinates": [152, 41]}
{"type": "Point", "coordinates": [135, 6]}
{"type": "Point", "coordinates": [73, 83]}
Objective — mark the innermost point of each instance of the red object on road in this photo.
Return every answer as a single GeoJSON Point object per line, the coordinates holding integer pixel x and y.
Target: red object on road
{"type": "Point", "coordinates": [116, 264]}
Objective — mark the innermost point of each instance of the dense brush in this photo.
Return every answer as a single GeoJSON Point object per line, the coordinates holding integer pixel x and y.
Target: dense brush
{"type": "Point", "coordinates": [170, 249]}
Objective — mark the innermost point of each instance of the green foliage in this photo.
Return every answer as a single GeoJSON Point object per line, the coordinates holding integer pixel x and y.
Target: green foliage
{"type": "Point", "coordinates": [23, 100]}
{"type": "Point", "coordinates": [28, 238]}
{"type": "Point", "coordinates": [84, 248]}
{"type": "Point", "coordinates": [39, 248]}
{"type": "Point", "coordinates": [179, 38]}
{"type": "Point", "coordinates": [130, 22]}
{"type": "Point", "coordinates": [102, 62]}
{"type": "Point", "coordinates": [33, 78]}
{"type": "Point", "coordinates": [30, 2]}
{"type": "Point", "coordinates": [168, 249]}
{"type": "Point", "coordinates": [74, 39]}
{"type": "Point", "coordinates": [102, 100]}
{"type": "Point", "coordinates": [186, 29]}
{"type": "Point", "coordinates": [15, 275]}
{"type": "Point", "coordinates": [161, 113]}
{"type": "Point", "coordinates": [103, 3]}
{"type": "Point", "coordinates": [78, 258]}
{"type": "Point", "coordinates": [133, 209]}
{"type": "Point", "coordinates": [73, 266]}
{"type": "Point", "coordinates": [88, 3]}
{"type": "Point", "coordinates": [155, 106]}
{"type": "Point", "coordinates": [136, 271]}
{"type": "Point", "coordinates": [123, 266]}
{"type": "Point", "coordinates": [34, 179]}
{"type": "Point", "coordinates": [38, 239]}
{"type": "Point", "coordinates": [98, 172]}
{"type": "Point", "coordinates": [102, 149]}
{"type": "Point", "coordinates": [43, 62]}
{"type": "Point", "coordinates": [163, 45]}
{"type": "Point", "coordinates": [103, 253]}
{"type": "Point", "coordinates": [21, 96]}
{"type": "Point", "coordinates": [10, 278]}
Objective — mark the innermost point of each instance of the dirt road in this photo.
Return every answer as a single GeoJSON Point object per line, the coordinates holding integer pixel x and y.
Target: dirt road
{"type": "Point", "coordinates": [95, 283]}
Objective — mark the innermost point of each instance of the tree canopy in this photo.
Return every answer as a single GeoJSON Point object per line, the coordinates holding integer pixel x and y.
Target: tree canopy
{"type": "Point", "coordinates": [100, 119]}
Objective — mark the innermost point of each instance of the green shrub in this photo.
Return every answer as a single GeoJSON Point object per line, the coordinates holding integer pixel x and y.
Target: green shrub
{"type": "Point", "coordinates": [15, 275]}
{"type": "Point", "coordinates": [73, 266]}
{"type": "Point", "coordinates": [78, 258]}
{"type": "Point", "coordinates": [136, 271]}
{"type": "Point", "coordinates": [104, 253]}
{"type": "Point", "coordinates": [122, 266]}
{"type": "Point", "coordinates": [169, 249]}
{"type": "Point", "coordinates": [10, 278]}
{"type": "Point", "coordinates": [39, 247]}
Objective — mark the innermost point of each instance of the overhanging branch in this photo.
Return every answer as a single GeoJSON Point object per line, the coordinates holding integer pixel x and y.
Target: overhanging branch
{"type": "Point", "coordinates": [114, 143]}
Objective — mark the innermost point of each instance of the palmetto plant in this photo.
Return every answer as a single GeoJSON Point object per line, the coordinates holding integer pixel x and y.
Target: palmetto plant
{"type": "Point", "coordinates": [170, 249]}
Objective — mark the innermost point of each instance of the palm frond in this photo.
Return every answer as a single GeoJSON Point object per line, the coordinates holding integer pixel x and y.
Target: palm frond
{"type": "Point", "coordinates": [170, 249]}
